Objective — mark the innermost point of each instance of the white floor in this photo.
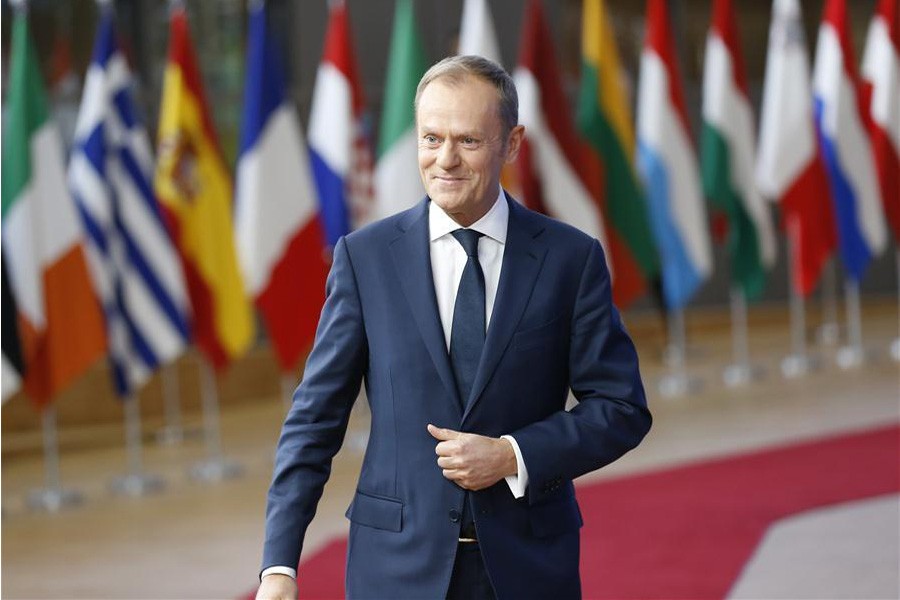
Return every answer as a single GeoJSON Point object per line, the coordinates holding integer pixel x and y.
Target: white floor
{"type": "Point", "coordinates": [846, 551]}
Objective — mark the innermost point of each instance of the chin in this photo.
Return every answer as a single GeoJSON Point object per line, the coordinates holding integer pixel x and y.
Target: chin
{"type": "Point", "coordinates": [447, 204]}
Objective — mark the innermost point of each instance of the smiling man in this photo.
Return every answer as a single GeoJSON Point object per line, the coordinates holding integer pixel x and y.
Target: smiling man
{"type": "Point", "coordinates": [468, 318]}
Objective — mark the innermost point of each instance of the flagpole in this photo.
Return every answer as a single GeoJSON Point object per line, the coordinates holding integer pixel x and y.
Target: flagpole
{"type": "Point", "coordinates": [677, 382]}
{"type": "Point", "coordinates": [287, 390]}
{"type": "Point", "coordinates": [829, 332]}
{"type": "Point", "coordinates": [53, 496]}
{"type": "Point", "coordinates": [853, 354]}
{"type": "Point", "coordinates": [135, 482]}
{"type": "Point", "coordinates": [740, 372]}
{"type": "Point", "coordinates": [798, 363]}
{"type": "Point", "coordinates": [215, 467]}
{"type": "Point", "coordinates": [360, 419]}
{"type": "Point", "coordinates": [172, 431]}
{"type": "Point", "coordinates": [895, 345]}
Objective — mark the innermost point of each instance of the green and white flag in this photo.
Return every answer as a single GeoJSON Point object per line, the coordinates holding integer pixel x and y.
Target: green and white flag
{"type": "Point", "coordinates": [727, 150]}
{"type": "Point", "coordinates": [397, 182]}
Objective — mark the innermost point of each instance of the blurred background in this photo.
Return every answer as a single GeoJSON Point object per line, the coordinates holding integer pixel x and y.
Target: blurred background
{"type": "Point", "coordinates": [148, 481]}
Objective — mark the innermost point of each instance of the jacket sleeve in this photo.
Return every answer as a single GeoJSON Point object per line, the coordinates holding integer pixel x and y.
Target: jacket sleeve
{"type": "Point", "coordinates": [314, 428]}
{"type": "Point", "coordinates": [611, 417]}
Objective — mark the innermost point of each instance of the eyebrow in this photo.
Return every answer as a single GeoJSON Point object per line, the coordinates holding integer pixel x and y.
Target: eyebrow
{"type": "Point", "coordinates": [463, 134]}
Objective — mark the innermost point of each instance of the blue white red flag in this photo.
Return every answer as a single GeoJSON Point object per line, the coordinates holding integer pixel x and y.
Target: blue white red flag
{"type": "Point", "coordinates": [279, 235]}
{"type": "Point", "coordinates": [339, 145]}
{"type": "Point", "coordinates": [849, 161]}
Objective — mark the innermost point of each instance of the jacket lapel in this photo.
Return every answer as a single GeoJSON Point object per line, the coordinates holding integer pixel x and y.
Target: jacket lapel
{"type": "Point", "coordinates": [412, 258]}
{"type": "Point", "coordinates": [522, 259]}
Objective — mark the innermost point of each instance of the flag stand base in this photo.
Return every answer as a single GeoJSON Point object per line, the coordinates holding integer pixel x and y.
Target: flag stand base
{"type": "Point", "coordinates": [850, 357]}
{"type": "Point", "coordinates": [799, 365]}
{"type": "Point", "coordinates": [53, 499]}
{"type": "Point", "coordinates": [676, 385]}
{"type": "Point", "coordinates": [853, 355]}
{"type": "Point", "coordinates": [215, 469]}
{"type": "Point", "coordinates": [137, 485]}
{"type": "Point", "coordinates": [741, 374]}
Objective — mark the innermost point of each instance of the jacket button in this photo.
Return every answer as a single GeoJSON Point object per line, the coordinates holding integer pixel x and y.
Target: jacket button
{"type": "Point", "coordinates": [454, 515]}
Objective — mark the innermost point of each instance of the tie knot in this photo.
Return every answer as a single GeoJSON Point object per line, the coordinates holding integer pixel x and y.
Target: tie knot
{"type": "Point", "coordinates": [468, 239]}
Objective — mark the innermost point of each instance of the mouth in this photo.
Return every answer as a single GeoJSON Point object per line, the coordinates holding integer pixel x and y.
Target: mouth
{"type": "Point", "coordinates": [446, 179]}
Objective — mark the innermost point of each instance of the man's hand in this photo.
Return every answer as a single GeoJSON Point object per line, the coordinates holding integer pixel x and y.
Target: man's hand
{"type": "Point", "coordinates": [472, 461]}
{"type": "Point", "coordinates": [277, 587]}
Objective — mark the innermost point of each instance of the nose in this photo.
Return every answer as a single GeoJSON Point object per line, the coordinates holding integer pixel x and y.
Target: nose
{"type": "Point", "coordinates": [447, 155]}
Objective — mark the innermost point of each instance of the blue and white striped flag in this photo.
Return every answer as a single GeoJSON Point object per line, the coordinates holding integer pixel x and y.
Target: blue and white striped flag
{"type": "Point", "coordinates": [135, 267]}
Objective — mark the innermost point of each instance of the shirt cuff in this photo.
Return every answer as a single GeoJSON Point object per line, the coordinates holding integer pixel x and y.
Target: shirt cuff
{"type": "Point", "coordinates": [292, 573]}
{"type": "Point", "coordinates": [518, 482]}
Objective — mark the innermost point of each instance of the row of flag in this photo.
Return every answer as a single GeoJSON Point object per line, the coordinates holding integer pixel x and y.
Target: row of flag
{"type": "Point", "coordinates": [136, 257]}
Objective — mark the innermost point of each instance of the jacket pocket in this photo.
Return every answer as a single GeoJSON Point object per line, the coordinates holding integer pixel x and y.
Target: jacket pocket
{"type": "Point", "coordinates": [555, 518]}
{"type": "Point", "coordinates": [380, 512]}
{"type": "Point", "coordinates": [538, 337]}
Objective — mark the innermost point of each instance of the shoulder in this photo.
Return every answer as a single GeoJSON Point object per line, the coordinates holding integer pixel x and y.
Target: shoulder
{"type": "Point", "coordinates": [548, 229]}
{"type": "Point", "coordinates": [388, 228]}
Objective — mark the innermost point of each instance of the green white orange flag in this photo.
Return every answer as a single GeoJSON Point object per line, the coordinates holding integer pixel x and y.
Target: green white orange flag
{"type": "Point", "coordinates": [397, 184]}
{"type": "Point", "coordinates": [604, 120]}
{"type": "Point", "coordinates": [195, 191]}
{"type": "Point", "coordinates": [60, 324]}
{"type": "Point", "coordinates": [727, 150]}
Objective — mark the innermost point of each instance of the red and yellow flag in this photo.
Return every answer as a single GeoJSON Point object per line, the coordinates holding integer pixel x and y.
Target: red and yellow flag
{"type": "Point", "coordinates": [195, 190]}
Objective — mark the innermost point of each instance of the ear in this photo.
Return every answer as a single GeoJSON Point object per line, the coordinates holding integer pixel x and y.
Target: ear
{"type": "Point", "coordinates": [514, 142]}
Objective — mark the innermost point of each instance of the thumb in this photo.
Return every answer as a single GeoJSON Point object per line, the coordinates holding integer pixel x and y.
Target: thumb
{"type": "Point", "coordinates": [439, 433]}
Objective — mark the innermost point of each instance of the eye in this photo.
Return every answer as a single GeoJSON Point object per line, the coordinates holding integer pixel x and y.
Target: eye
{"type": "Point", "coordinates": [430, 139]}
{"type": "Point", "coordinates": [469, 141]}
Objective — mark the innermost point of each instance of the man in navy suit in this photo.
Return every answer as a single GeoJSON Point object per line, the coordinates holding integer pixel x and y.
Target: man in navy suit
{"type": "Point", "coordinates": [468, 318]}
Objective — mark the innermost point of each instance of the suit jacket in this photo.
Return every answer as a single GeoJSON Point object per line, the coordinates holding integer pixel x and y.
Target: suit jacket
{"type": "Point", "coordinates": [553, 328]}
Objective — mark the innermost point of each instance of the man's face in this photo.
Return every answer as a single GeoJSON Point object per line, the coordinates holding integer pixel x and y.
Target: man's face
{"type": "Point", "coordinates": [462, 147]}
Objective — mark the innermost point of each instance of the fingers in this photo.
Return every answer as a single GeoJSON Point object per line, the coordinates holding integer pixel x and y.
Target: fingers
{"type": "Point", "coordinates": [448, 462]}
{"type": "Point", "coordinates": [439, 433]}
{"type": "Point", "coordinates": [464, 479]}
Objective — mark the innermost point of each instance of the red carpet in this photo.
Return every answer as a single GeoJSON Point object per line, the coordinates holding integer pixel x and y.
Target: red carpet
{"type": "Point", "coordinates": [687, 532]}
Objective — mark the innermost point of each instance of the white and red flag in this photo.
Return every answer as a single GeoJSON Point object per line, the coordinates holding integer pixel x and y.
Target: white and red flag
{"type": "Point", "coordinates": [789, 167]}
{"type": "Point", "coordinates": [550, 169]}
{"type": "Point", "coordinates": [881, 89]}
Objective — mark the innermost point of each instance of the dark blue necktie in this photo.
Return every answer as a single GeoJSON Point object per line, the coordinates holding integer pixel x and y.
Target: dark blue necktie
{"type": "Point", "coordinates": [467, 335]}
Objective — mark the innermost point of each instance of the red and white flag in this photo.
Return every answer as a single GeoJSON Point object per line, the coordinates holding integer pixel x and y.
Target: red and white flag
{"type": "Point", "coordinates": [550, 169]}
{"type": "Point", "coordinates": [881, 88]}
{"type": "Point", "coordinates": [789, 167]}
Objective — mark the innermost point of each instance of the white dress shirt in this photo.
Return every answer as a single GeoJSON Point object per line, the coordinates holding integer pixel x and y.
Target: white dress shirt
{"type": "Point", "coordinates": [448, 259]}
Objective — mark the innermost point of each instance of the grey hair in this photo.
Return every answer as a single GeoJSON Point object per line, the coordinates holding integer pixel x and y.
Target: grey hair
{"type": "Point", "coordinates": [454, 69]}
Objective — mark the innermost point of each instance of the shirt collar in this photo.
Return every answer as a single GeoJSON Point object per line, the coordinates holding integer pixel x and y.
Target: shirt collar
{"type": "Point", "coordinates": [493, 224]}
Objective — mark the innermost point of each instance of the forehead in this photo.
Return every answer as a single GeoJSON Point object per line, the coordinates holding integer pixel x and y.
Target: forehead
{"type": "Point", "coordinates": [463, 102]}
